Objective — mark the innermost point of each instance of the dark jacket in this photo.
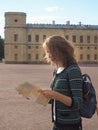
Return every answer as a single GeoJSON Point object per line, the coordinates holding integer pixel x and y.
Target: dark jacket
{"type": "Point", "coordinates": [68, 83]}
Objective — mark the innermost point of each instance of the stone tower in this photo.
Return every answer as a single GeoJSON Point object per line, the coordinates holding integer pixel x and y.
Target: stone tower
{"type": "Point", "coordinates": [15, 37]}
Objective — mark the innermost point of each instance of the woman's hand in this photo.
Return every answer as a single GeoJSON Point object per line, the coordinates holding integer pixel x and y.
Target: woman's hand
{"type": "Point", "coordinates": [58, 96]}
{"type": "Point", "coordinates": [46, 92]}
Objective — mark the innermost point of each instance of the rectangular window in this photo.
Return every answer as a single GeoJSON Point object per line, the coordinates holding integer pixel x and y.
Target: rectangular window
{"type": "Point", "coordinates": [74, 38]}
{"type": "Point", "coordinates": [15, 47]}
{"type": "Point", "coordinates": [29, 56]}
{"type": "Point", "coordinates": [16, 57]}
{"type": "Point", "coordinates": [81, 48]}
{"type": "Point", "coordinates": [95, 57]}
{"type": "Point", "coordinates": [81, 56]}
{"type": "Point", "coordinates": [29, 47]}
{"type": "Point", "coordinates": [88, 57]}
{"type": "Point", "coordinates": [37, 38]}
{"type": "Point", "coordinates": [44, 37]}
{"type": "Point", "coordinates": [95, 39]}
{"type": "Point", "coordinates": [15, 37]}
{"type": "Point", "coordinates": [29, 38]}
{"type": "Point", "coordinates": [36, 56]}
{"type": "Point", "coordinates": [88, 39]}
{"type": "Point", "coordinates": [81, 39]}
{"type": "Point", "coordinates": [37, 47]}
{"type": "Point", "coordinates": [95, 48]}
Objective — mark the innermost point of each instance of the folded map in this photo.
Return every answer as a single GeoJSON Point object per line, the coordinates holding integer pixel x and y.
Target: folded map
{"type": "Point", "coordinates": [31, 92]}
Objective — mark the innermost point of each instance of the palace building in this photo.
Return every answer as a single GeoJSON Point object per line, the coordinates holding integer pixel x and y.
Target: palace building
{"type": "Point", "coordinates": [23, 41]}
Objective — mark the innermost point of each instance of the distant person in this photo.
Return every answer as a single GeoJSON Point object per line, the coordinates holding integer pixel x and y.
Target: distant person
{"type": "Point", "coordinates": [66, 86]}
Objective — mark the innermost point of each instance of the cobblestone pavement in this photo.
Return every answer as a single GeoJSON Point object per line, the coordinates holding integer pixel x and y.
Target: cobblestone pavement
{"type": "Point", "coordinates": [17, 113]}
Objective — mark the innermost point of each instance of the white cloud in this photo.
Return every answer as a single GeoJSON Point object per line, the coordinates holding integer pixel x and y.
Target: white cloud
{"type": "Point", "coordinates": [52, 9]}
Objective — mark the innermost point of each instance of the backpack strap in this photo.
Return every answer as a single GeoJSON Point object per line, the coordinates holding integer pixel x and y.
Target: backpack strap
{"type": "Point", "coordinates": [86, 78]}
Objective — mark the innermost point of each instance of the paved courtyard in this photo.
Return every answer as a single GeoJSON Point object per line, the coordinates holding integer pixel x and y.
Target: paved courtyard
{"type": "Point", "coordinates": [17, 113]}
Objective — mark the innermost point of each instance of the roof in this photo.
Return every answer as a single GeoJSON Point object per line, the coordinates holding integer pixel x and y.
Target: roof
{"type": "Point", "coordinates": [66, 26]}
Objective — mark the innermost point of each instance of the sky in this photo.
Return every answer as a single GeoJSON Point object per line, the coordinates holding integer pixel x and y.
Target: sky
{"type": "Point", "coordinates": [45, 11]}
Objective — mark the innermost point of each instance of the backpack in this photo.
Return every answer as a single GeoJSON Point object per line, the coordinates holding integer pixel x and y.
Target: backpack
{"type": "Point", "coordinates": [89, 98]}
{"type": "Point", "coordinates": [89, 106]}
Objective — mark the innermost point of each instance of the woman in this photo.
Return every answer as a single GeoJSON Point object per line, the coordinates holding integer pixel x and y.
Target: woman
{"type": "Point", "coordinates": [66, 85]}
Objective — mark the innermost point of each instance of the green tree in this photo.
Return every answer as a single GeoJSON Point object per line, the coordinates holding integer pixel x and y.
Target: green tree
{"type": "Point", "coordinates": [1, 48]}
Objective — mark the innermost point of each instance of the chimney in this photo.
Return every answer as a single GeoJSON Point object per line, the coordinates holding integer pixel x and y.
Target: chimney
{"type": "Point", "coordinates": [79, 23]}
{"type": "Point", "coordinates": [68, 22]}
{"type": "Point", "coordinates": [53, 22]}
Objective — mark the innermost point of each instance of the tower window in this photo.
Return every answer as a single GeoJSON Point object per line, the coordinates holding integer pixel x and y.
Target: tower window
{"type": "Point", "coordinates": [15, 37]}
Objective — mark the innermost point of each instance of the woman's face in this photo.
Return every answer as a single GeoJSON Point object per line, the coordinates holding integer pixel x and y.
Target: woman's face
{"type": "Point", "coordinates": [48, 54]}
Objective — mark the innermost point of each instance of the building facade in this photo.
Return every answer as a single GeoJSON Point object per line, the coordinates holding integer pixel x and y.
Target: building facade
{"type": "Point", "coordinates": [23, 42]}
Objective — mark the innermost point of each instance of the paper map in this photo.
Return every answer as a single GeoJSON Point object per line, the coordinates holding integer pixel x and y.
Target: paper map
{"type": "Point", "coordinates": [31, 91]}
